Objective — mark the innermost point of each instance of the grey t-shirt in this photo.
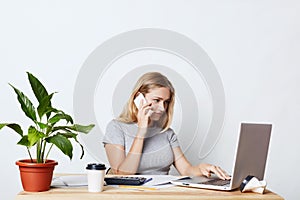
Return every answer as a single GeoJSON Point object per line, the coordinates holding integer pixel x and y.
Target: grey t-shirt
{"type": "Point", "coordinates": [157, 156]}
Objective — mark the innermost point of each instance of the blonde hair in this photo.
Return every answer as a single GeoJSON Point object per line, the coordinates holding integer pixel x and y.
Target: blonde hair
{"type": "Point", "coordinates": [144, 84]}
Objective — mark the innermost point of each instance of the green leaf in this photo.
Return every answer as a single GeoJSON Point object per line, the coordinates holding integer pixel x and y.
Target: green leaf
{"type": "Point", "coordinates": [69, 135]}
{"type": "Point", "coordinates": [49, 110]}
{"type": "Point", "coordinates": [58, 117]}
{"type": "Point", "coordinates": [83, 129]}
{"type": "Point", "coordinates": [74, 136]}
{"type": "Point", "coordinates": [45, 105]}
{"type": "Point", "coordinates": [2, 125]}
{"type": "Point", "coordinates": [38, 89]}
{"type": "Point", "coordinates": [76, 127]}
{"type": "Point", "coordinates": [62, 143]}
{"type": "Point", "coordinates": [42, 125]}
{"type": "Point", "coordinates": [24, 141]}
{"type": "Point", "coordinates": [67, 117]}
{"type": "Point", "coordinates": [34, 135]}
{"type": "Point", "coordinates": [26, 104]}
{"type": "Point", "coordinates": [15, 127]}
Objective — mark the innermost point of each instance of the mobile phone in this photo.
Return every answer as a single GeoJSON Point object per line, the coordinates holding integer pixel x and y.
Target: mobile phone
{"type": "Point", "coordinates": [138, 99]}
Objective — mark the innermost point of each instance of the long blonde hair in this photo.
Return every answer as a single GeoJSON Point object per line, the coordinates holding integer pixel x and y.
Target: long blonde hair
{"type": "Point", "coordinates": [145, 83]}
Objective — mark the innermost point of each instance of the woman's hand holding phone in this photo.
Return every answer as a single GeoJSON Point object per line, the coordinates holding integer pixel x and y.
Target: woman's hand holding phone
{"type": "Point", "coordinates": [138, 101]}
{"type": "Point", "coordinates": [144, 110]}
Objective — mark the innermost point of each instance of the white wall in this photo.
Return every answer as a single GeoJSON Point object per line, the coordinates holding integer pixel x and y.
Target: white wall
{"type": "Point", "coordinates": [253, 44]}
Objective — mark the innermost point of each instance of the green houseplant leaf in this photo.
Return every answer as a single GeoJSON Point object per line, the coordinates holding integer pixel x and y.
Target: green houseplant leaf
{"type": "Point", "coordinates": [38, 89]}
{"type": "Point", "coordinates": [15, 127]}
{"type": "Point", "coordinates": [24, 141]}
{"type": "Point", "coordinates": [56, 129]}
{"type": "Point", "coordinates": [56, 118]}
{"type": "Point", "coordinates": [34, 135]}
{"type": "Point", "coordinates": [45, 106]}
{"type": "Point", "coordinates": [62, 143]}
{"type": "Point", "coordinates": [26, 104]}
{"type": "Point", "coordinates": [76, 127]}
{"type": "Point", "coordinates": [41, 94]}
{"type": "Point", "coordinates": [74, 136]}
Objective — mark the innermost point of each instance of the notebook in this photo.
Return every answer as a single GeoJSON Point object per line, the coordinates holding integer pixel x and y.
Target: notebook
{"type": "Point", "coordinates": [250, 159]}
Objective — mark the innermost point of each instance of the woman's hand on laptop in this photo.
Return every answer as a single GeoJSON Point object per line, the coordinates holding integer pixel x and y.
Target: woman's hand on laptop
{"type": "Point", "coordinates": [205, 169]}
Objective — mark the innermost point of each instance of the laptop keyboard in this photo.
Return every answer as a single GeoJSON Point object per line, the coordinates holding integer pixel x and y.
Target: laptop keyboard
{"type": "Point", "coordinates": [218, 182]}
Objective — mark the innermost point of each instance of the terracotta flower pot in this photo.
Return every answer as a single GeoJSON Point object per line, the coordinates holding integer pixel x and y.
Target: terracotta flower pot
{"type": "Point", "coordinates": [36, 177]}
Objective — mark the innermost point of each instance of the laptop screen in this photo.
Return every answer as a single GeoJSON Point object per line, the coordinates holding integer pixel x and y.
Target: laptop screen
{"type": "Point", "coordinates": [252, 151]}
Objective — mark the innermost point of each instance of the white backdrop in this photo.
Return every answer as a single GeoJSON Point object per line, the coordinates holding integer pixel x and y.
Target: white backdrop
{"type": "Point", "coordinates": [253, 44]}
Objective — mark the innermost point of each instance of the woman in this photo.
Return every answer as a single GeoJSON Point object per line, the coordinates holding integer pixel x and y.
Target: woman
{"type": "Point", "coordinates": [141, 141]}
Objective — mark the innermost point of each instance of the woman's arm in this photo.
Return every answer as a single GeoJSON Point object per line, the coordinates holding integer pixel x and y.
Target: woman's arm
{"type": "Point", "coordinates": [185, 168]}
{"type": "Point", "coordinates": [127, 165]}
{"type": "Point", "coordinates": [119, 162]}
{"type": "Point", "coordinates": [122, 164]}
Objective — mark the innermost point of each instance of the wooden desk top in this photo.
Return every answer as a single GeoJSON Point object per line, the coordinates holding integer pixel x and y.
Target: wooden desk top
{"type": "Point", "coordinates": [166, 193]}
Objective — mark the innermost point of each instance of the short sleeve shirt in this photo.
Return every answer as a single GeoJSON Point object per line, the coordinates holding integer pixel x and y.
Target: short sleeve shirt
{"type": "Point", "coordinates": [157, 156]}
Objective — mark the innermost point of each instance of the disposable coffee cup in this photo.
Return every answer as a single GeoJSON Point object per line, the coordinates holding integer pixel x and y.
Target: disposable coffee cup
{"type": "Point", "coordinates": [95, 175]}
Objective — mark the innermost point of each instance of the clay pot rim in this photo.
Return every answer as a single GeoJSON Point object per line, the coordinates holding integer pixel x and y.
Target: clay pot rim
{"type": "Point", "coordinates": [28, 163]}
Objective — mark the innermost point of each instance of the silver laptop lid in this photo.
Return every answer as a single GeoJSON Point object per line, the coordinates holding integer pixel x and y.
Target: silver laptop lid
{"type": "Point", "coordinates": [252, 151]}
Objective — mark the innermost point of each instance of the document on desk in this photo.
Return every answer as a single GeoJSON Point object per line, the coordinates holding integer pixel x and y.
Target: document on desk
{"type": "Point", "coordinates": [157, 180]}
{"type": "Point", "coordinates": [69, 181]}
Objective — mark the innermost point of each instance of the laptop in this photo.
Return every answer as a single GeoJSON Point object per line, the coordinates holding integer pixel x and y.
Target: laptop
{"type": "Point", "coordinates": [250, 159]}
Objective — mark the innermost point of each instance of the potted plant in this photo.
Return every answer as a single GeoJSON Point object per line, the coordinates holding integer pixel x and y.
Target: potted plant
{"type": "Point", "coordinates": [51, 127]}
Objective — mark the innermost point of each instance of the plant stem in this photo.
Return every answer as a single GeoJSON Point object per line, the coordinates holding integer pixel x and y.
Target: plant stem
{"type": "Point", "coordinates": [38, 144]}
{"type": "Point", "coordinates": [29, 154]}
{"type": "Point", "coordinates": [48, 152]}
{"type": "Point", "coordinates": [43, 151]}
{"type": "Point", "coordinates": [38, 147]}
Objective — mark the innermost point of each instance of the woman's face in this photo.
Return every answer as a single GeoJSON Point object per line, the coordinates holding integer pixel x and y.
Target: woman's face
{"type": "Point", "coordinates": [160, 98]}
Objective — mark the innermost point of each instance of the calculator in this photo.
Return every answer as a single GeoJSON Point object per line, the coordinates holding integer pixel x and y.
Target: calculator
{"type": "Point", "coordinates": [125, 180]}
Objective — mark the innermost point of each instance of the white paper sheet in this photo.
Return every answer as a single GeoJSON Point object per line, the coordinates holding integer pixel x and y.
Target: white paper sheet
{"type": "Point", "coordinates": [69, 181]}
{"type": "Point", "coordinates": [160, 179]}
